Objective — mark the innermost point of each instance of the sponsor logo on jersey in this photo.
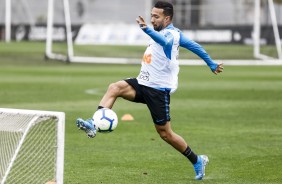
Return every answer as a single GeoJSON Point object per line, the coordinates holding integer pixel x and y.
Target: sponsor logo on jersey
{"type": "Point", "coordinates": [144, 75]}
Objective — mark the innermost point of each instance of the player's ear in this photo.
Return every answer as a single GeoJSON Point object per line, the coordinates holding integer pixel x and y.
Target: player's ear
{"type": "Point", "coordinates": [167, 19]}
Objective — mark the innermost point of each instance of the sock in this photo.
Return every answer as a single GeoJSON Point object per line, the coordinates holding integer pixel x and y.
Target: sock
{"type": "Point", "coordinates": [190, 155]}
{"type": "Point", "coordinates": [100, 107]}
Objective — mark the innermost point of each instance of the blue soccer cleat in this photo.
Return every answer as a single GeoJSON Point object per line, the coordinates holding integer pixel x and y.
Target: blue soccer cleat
{"type": "Point", "coordinates": [199, 167]}
{"type": "Point", "coordinates": [87, 126]}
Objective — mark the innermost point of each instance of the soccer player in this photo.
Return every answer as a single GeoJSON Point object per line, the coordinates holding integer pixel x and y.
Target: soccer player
{"type": "Point", "coordinates": [158, 78]}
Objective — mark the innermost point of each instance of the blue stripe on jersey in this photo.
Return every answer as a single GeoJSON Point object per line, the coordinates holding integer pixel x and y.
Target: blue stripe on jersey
{"type": "Point", "coordinates": [166, 41]}
{"type": "Point", "coordinates": [168, 47]}
{"type": "Point", "coordinates": [197, 49]}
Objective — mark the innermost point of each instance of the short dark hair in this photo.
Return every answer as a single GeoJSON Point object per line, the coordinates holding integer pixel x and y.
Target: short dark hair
{"type": "Point", "coordinates": [166, 6]}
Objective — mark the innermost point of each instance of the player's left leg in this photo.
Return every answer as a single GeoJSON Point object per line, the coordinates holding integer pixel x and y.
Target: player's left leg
{"type": "Point", "coordinates": [158, 102]}
{"type": "Point", "coordinates": [170, 137]}
{"type": "Point", "coordinates": [176, 141]}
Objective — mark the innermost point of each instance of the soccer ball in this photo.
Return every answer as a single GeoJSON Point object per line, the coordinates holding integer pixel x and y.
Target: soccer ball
{"type": "Point", "coordinates": [105, 120]}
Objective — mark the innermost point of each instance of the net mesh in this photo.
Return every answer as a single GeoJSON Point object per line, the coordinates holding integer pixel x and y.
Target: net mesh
{"type": "Point", "coordinates": [35, 160]}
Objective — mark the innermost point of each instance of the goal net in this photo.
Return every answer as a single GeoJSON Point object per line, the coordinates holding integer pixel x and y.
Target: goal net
{"type": "Point", "coordinates": [110, 22]}
{"type": "Point", "coordinates": [31, 146]}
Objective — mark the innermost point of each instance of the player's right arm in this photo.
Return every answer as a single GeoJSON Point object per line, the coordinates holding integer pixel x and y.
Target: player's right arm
{"type": "Point", "coordinates": [166, 41]}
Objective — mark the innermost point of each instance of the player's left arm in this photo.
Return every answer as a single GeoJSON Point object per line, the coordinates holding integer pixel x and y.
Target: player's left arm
{"type": "Point", "coordinates": [200, 51]}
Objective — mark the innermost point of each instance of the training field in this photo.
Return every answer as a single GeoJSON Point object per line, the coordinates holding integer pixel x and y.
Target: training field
{"type": "Point", "coordinates": [235, 118]}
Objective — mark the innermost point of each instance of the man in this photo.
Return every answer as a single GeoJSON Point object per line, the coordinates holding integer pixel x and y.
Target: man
{"type": "Point", "coordinates": [158, 78]}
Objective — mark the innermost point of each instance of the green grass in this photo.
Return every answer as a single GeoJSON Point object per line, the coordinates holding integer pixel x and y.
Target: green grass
{"type": "Point", "coordinates": [235, 118]}
{"type": "Point", "coordinates": [34, 51]}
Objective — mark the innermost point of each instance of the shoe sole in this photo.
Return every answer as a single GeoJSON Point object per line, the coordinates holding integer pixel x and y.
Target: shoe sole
{"type": "Point", "coordinates": [205, 162]}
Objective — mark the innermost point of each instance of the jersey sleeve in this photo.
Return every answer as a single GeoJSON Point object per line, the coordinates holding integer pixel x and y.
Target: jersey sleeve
{"type": "Point", "coordinates": [198, 50]}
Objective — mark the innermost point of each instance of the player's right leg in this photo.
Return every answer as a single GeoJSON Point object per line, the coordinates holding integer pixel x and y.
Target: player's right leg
{"type": "Point", "coordinates": [118, 89]}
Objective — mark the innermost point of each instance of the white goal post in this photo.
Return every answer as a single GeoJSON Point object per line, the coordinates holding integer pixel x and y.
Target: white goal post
{"type": "Point", "coordinates": [31, 146]}
{"type": "Point", "coordinates": [257, 32]}
{"type": "Point", "coordinates": [8, 24]}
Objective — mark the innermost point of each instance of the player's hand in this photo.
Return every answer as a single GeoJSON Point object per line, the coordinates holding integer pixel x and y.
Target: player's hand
{"type": "Point", "coordinates": [218, 69]}
{"type": "Point", "coordinates": [141, 22]}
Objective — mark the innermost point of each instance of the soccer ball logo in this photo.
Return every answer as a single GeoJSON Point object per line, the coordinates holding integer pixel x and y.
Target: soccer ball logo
{"type": "Point", "coordinates": [105, 120]}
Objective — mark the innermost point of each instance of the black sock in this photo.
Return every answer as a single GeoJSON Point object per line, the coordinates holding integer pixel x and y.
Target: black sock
{"type": "Point", "coordinates": [100, 107]}
{"type": "Point", "coordinates": [190, 155]}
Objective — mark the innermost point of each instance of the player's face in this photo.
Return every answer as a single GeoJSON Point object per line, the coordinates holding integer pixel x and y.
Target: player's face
{"type": "Point", "coordinates": [158, 19]}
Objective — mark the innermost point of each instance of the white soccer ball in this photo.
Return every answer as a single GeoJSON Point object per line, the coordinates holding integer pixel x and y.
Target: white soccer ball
{"type": "Point", "coordinates": [105, 120]}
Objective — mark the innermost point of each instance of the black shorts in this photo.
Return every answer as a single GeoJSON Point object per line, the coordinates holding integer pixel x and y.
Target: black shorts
{"type": "Point", "coordinates": [157, 101]}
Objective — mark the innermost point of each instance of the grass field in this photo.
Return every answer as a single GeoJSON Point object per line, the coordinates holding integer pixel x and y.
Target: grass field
{"type": "Point", "coordinates": [235, 118]}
